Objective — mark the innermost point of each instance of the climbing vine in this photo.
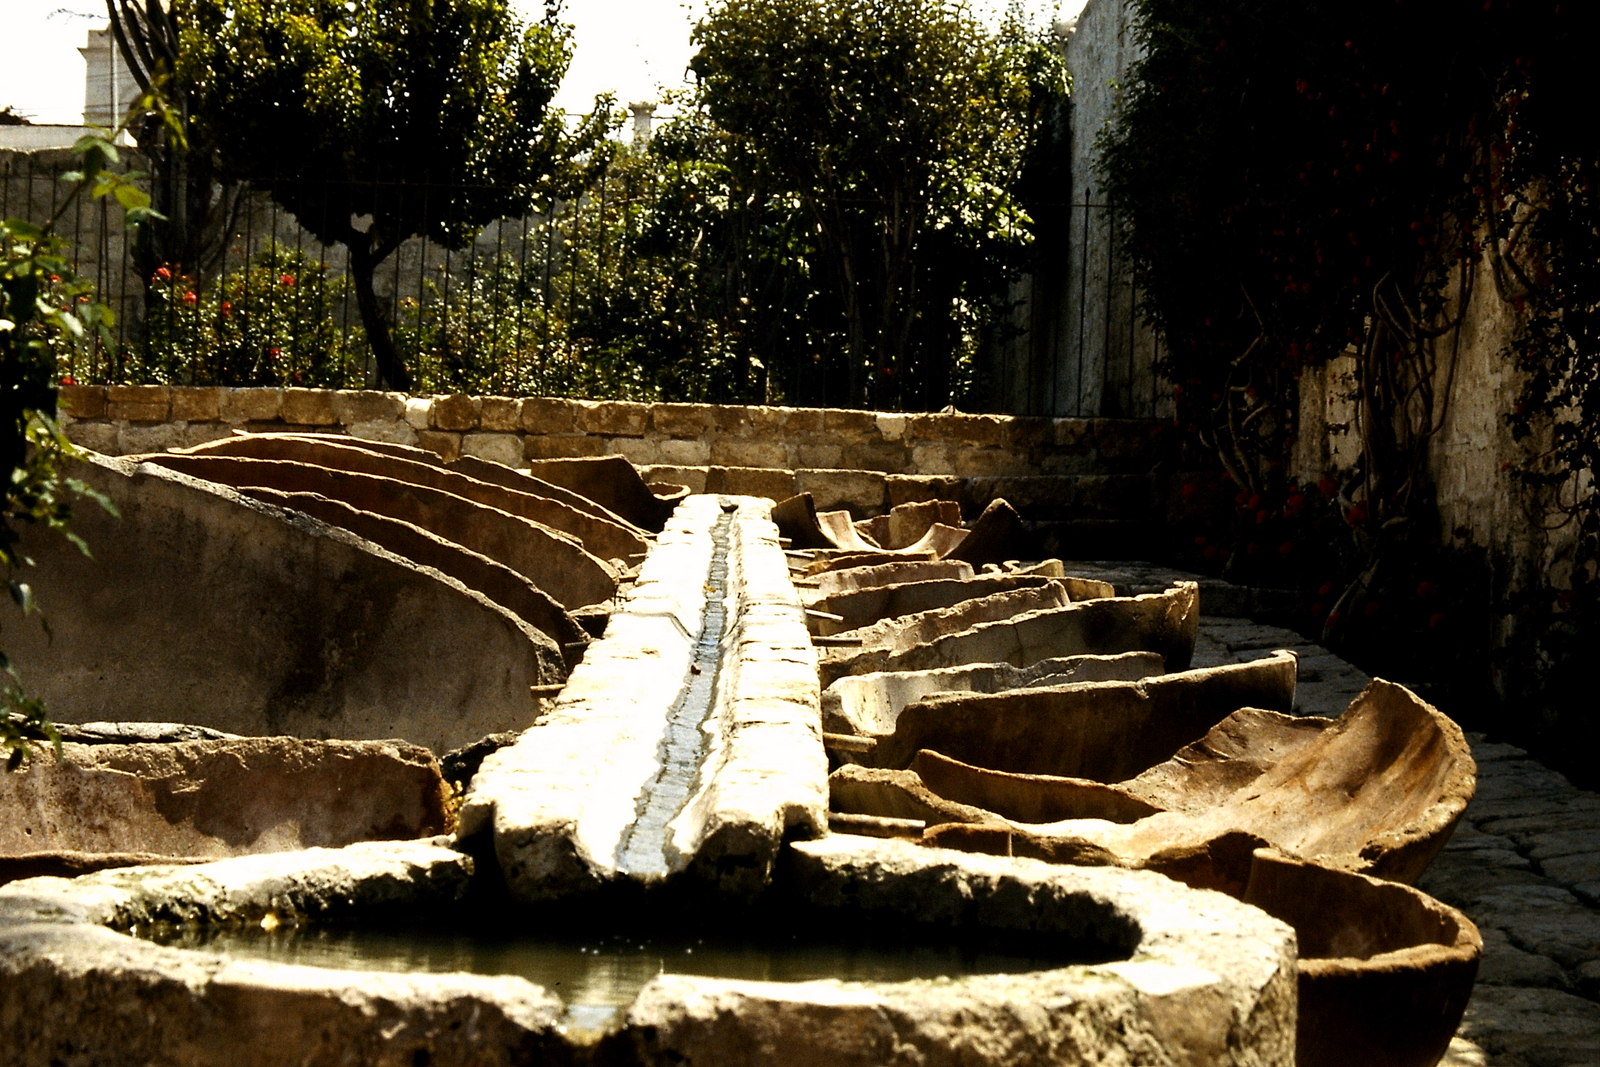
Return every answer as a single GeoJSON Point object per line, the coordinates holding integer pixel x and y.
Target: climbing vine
{"type": "Point", "coordinates": [1320, 182]}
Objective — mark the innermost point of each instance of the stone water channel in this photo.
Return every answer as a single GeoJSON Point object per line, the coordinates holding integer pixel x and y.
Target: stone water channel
{"type": "Point", "coordinates": [630, 794]}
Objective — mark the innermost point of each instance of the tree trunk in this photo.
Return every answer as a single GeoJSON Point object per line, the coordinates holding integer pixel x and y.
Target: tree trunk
{"type": "Point", "coordinates": [392, 372]}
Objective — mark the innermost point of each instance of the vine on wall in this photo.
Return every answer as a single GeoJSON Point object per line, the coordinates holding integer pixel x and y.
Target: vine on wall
{"type": "Point", "coordinates": [1317, 180]}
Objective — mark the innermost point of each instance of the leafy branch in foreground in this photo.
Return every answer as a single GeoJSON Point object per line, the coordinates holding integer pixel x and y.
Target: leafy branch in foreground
{"type": "Point", "coordinates": [46, 313]}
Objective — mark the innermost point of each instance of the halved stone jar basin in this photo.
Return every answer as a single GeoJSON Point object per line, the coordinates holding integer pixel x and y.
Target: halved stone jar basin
{"type": "Point", "coordinates": [1385, 970]}
{"type": "Point", "coordinates": [1377, 791]}
{"type": "Point", "coordinates": [1183, 976]}
{"type": "Point", "coordinates": [112, 805]}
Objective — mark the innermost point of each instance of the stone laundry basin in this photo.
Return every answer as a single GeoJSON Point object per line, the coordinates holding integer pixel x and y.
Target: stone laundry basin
{"type": "Point", "coordinates": [851, 606]}
{"type": "Point", "coordinates": [1385, 971]}
{"type": "Point", "coordinates": [926, 529]}
{"type": "Point", "coordinates": [867, 705]}
{"type": "Point", "coordinates": [1183, 977]}
{"type": "Point", "coordinates": [601, 533]}
{"type": "Point", "coordinates": [1106, 731]}
{"type": "Point", "coordinates": [111, 805]}
{"type": "Point", "coordinates": [1165, 623]}
{"type": "Point", "coordinates": [1378, 791]}
{"type": "Point", "coordinates": [555, 562]}
{"type": "Point", "coordinates": [202, 605]}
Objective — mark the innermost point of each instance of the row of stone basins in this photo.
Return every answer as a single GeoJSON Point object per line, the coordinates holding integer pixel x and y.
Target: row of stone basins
{"type": "Point", "coordinates": [372, 758]}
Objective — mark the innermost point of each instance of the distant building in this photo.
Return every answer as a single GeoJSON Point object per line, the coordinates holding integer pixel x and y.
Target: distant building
{"type": "Point", "coordinates": [109, 86]}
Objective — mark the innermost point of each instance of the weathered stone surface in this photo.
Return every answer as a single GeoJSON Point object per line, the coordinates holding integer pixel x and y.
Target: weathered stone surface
{"type": "Point", "coordinates": [609, 481]}
{"type": "Point", "coordinates": [1377, 792]}
{"type": "Point", "coordinates": [201, 602]}
{"type": "Point", "coordinates": [150, 437]}
{"type": "Point", "coordinates": [759, 452]}
{"type": "Point", "coordinates": [1164, 623]}
{"type": "Point", "coordinates": [477, 572]}
{"type": "Point", "coordinates": [1195, 979]}
{"type": "Point", "coordinates": [222, 798]}
{"type": "Point", "coordinates": [904, 632]}
{"type": "Point", "coordinates": [858, 608]}
{"type": "Point", "coordinates": [73, 992]}
{"type": "Point", "coordinates": [308, 407]}
{"type": "Point", "coordinates": [1385, 971]}
{"type": "Point", "coordinates": [1106, 732]}
{"type": "Point", "coordinates": [502, 414]}
{"type": "Point", "coordinates": [1232, 754]}
{"type": "Point", "coordinates": [82, 401]}
{"type": "Point", "coordinates": [835, 583]}
{"type": "Point", "coordinates": [869, 704]}
{"type": "Point", "coordinates": [750, 481]}
{"type": "Point", "coordinates": [862, 492]}
{"type": "Point", "coordinates": [137, 403]}
{"type": "Point", "coordinates": [367, 406]}
{"type": "Point", "coordinates": [484, 471]}
{"type": "Point", "coordinates": [1209, 982]}
{"type": "Point", "coordinates": [548, 415]}
{"type": "Point", "coordinates": [447, 443]}
{"type": "Point", "coordinates": [502, 448]}
{"type": "Point", "coordinates": [587, 796]}
{"type": "Point", "coordinates": [202, 403]}
{"type": "Point", "coordinates": [681, 420]}
{"type": "Point", "coordinates": [605, 537]}
{"type": "Point", "coordinates": [552, 560]}
{"type": "Point", "coordinates": [611, 417]}
{"type": "Point", "coordinates": [251, 405]}
{"type": "Point", "coordinates": [1524, 1027]}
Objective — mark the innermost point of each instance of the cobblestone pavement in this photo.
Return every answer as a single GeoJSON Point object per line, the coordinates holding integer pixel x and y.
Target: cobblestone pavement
{"type": "Point", "coordinates": [1524, 863]}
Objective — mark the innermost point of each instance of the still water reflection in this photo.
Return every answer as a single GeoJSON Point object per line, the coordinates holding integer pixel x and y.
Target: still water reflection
{"type": "Point", "coordinates": [599, 975]}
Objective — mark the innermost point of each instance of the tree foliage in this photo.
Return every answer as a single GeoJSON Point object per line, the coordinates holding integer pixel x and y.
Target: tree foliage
{"type": "Point", "coordinates": [373, 122]}
{"type": "Point", "coordinates": [899, 129]}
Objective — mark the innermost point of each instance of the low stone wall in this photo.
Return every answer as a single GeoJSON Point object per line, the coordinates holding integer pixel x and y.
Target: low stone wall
{"type": "Point", "coordinates": [121, 419]}
{"type": "Point", "coordinates": [1088, 483]}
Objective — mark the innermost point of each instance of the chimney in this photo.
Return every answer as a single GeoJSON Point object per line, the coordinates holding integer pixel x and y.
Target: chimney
{"type": "Point", "coordinates": [643, 116]}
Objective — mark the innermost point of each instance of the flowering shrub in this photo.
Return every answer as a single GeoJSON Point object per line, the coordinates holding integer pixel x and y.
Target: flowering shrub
{"type": "Point", "coordinates": [276, 321]}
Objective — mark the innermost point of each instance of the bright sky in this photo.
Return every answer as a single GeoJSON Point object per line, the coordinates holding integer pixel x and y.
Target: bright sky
{"type": "Point", "coordinates": [631, 47]}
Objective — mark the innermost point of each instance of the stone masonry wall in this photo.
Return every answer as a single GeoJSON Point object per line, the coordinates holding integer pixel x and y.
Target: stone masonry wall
{"type": "Point", "coordinates": [865, 460]}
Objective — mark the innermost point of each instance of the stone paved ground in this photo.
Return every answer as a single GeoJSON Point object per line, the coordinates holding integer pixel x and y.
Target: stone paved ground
{"type": "Point", "coordinates": [1524, 863]}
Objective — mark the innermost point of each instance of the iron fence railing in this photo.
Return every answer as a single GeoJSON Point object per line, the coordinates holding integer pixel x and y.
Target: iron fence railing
{"type": "Point", "coordinates": [532, 306]}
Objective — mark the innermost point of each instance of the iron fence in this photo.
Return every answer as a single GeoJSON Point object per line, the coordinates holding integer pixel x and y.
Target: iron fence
{"type": "Point", "coordinates": [571, 299]}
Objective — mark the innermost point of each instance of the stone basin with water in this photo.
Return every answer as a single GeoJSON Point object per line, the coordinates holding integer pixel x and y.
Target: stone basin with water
{"type": "Point", "coordinates": [1016, 962]}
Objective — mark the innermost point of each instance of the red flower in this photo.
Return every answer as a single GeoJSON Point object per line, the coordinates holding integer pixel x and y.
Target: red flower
{"type": "Point", "coordinates": [286, 279]}
{"type": "Point", "coordinates": [67, 379]}
{"type": "Point", "coordinates": [190, 297]}
{"type": "Point", "coordinates": [161, 274]}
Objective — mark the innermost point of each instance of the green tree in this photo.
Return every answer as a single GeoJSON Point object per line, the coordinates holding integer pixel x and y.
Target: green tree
{"type": "Point", "coordinates": [900, 128]}
{"type": "Point", "coordinates": [373, 122]}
